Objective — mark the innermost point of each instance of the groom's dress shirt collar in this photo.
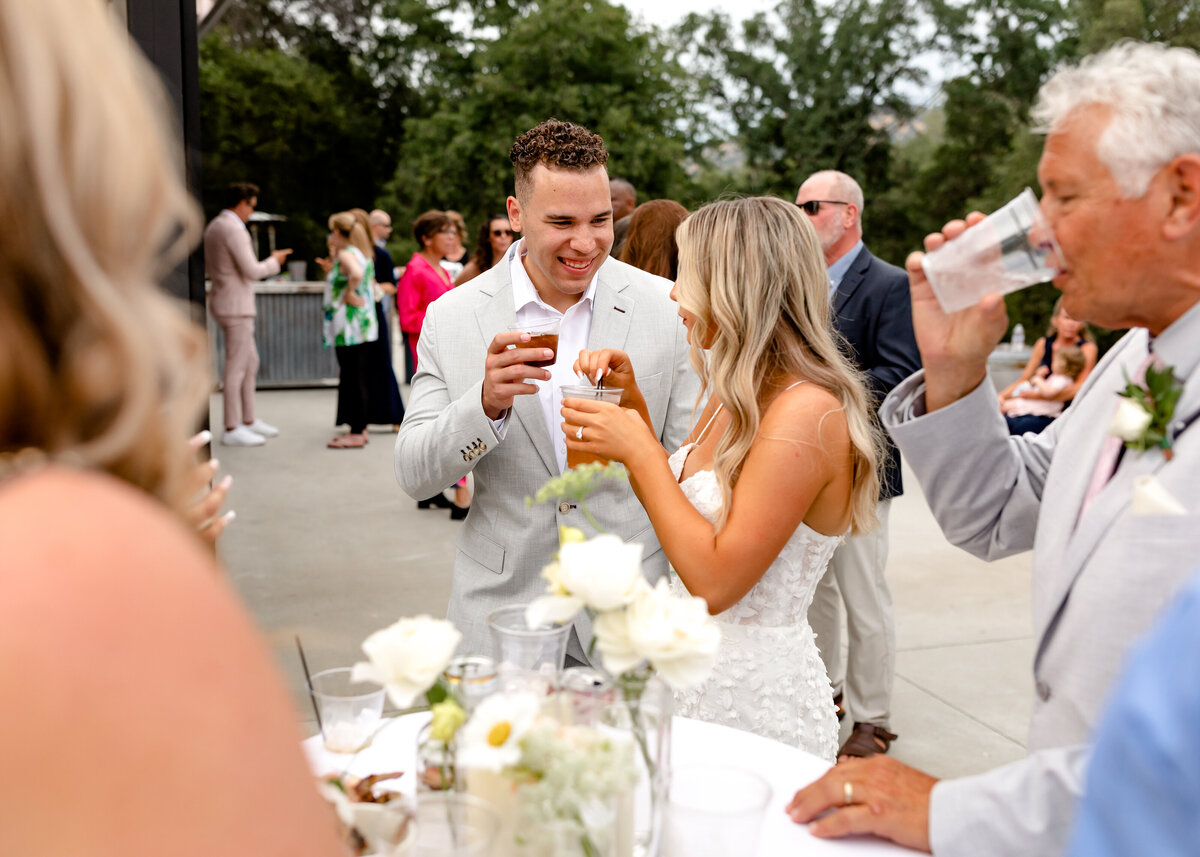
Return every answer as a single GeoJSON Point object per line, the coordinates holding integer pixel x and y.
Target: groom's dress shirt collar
{"type": "Point", "coordinates": [574, 326]}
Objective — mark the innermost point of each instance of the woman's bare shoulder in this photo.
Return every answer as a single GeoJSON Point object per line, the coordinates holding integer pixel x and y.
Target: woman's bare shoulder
{"type": "Point", "coordinates": [136, 664]}
{"type": "Point", "coordinates": [802, 412]}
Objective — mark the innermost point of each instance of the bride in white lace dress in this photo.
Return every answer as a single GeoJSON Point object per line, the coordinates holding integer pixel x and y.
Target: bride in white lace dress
{"type": "Point", "coordinates": [780, 465]}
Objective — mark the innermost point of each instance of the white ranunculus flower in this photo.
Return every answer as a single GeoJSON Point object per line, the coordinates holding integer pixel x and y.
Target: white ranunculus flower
{"type": "Point", "coordinates": [603, 572]}
{"type": "Point", "coordinates": [676, 635]}
{"type": "Point", "coordinates": [1130, 420]}
{"type": "Point", "coordinates": [408, 657]}
{"type": "Point", "coordinates": [491, 739]}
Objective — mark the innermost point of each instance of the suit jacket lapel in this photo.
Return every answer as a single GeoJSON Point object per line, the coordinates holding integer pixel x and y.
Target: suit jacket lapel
{"type": "Point", "coordinates": [612, 310]}
{"type": "Point", "coordinates": [493, 315]}
{"type": "Point", "coordinates": [1113, 501]}
{"type": "Point", "coordinates": [851, 281]}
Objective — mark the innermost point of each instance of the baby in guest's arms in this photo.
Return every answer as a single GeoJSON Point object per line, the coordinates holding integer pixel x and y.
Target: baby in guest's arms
{"type": "Point", "coordinates": [1036, 396]}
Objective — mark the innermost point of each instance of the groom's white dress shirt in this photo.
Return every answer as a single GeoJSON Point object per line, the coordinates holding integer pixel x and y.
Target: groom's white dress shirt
{"type": "Point", "coordinates": [1099, 578]}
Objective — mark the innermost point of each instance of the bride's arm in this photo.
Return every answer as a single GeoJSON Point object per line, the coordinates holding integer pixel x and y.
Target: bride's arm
{"type": "Point", "coordinates": [802, 447]}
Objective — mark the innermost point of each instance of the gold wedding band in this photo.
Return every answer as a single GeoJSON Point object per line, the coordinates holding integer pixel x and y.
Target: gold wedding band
{"type": "Point", "coordinates": [579, 434]}
{"type": "Point", "coordinates": [848, 793]}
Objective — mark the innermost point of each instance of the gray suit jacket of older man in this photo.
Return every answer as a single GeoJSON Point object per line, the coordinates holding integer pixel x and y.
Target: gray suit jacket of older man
{"type": "Point", "coordinates": [504, 545]}
{"type": "Point", "coordinates": [1099, 578]}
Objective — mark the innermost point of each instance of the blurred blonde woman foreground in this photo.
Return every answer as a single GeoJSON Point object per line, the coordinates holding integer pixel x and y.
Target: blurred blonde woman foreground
{"type": "Point", "coordinates": [780, 465]}
{"type": "Point", "coordinates": [142, 713]}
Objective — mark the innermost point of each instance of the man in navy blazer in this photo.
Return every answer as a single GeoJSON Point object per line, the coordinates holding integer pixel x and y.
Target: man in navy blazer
{"type": "Point", "coordinates": [872, 313]}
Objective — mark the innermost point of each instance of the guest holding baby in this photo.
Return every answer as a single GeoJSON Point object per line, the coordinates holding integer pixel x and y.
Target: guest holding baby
{"type": "Point", "coordinates": [1064, 332]}
{"type": "Point", "coordinates": [1035, 403]}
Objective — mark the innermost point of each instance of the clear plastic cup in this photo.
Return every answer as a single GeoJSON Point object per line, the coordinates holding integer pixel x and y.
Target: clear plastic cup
{"type": "Point", "coordinates": [526, 648]}
{"type": "Point", "coordinates": [350, 711]}
{"type": "Point", "coordinates": [715, 811]}
{"type": "Point", "coordinates": [599, 394]}
{"type": "Point", "coordinates": [1011, 249]}
{"type": "Point", "coordinates": [542, 334]}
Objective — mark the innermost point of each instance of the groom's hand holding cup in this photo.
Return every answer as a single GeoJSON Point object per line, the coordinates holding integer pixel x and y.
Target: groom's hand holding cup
{"type": "Point", "coordinates": [954, 346]}
{"type": "Point", "coordinates": [508, 370]}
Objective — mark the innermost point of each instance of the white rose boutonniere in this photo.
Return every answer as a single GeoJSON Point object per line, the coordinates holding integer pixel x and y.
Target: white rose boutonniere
{"type": "Point", "coordinates": [408, 657]}
{"type": "Point", "coordinates": [1144, 413]}
{"type": "Point", "coordinates": [1130, 421]}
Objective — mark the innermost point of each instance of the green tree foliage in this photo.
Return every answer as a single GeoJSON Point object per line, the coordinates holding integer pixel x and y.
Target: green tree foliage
{"type": "Point", "coordinates": [1174, 22]}
{"type": "Point", "coordinates": [811, 85]}
{"type": "Point", "coordinates": [582, 62]}
{"type": "Point", "coordinates": [308, 100]}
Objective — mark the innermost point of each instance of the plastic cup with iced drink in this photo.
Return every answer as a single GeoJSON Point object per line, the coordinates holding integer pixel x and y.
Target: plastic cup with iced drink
{"type": "Point", "coordinates": [542, 334]}
{"type": "Point", "coordinates": [1010, 249]}
{"type": "Point", "coordinates": [577, 457]}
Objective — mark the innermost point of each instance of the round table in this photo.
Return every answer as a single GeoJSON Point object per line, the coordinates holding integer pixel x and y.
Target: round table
{"type": "Point", "coordinates": [786, 768]}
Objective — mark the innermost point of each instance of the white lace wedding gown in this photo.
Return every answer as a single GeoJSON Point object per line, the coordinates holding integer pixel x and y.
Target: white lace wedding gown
{"type": "Point", "coordinates": [769, 678]}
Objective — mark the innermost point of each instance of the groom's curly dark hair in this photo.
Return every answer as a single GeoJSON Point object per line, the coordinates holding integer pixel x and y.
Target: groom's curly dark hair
{"type": "Point", "coordinates": [557, 144]}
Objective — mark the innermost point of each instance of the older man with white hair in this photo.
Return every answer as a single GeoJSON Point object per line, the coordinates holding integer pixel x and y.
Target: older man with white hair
{"type": "Point", "coordinates": [1111, 517]}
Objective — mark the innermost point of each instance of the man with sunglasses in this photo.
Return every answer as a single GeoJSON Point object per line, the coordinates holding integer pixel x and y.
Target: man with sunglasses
{"type": "Point", "coordinates": [870, 301]}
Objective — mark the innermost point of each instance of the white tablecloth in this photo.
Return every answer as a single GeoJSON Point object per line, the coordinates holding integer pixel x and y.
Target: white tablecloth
{"type": "Point", "coordinates": [786, 768]}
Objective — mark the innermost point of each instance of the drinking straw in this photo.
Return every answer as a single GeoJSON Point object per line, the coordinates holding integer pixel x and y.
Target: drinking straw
{"type": "Point", "coordinates": [308, 682]}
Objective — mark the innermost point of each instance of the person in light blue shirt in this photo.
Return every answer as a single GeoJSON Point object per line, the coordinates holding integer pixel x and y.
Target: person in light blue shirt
{"type": "Point", "coordinates": [1143, 783]}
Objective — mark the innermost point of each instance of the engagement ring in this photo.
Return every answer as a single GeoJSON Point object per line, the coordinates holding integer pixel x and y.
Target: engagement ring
{"type": "Point", "coordinates": [579, 434]}
{"type": "Point", "coordinates": [848, 792]}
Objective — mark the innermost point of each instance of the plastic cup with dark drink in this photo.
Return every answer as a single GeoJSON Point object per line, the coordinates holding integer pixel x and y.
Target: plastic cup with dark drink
{"type": "Point", "coordinates": [577, 457]}
{"type": "Point", "coordinates": [542, 334]}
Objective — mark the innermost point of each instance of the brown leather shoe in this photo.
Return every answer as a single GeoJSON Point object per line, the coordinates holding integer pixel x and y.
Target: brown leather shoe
{"type": "Point", "coordinates": [866, 739]}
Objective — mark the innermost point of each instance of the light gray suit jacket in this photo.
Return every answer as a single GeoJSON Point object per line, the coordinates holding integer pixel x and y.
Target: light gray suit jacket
{"type": "Point", "coordinates": [445, 435]}
{"type": "Point", "coordinates": [1098, 579]}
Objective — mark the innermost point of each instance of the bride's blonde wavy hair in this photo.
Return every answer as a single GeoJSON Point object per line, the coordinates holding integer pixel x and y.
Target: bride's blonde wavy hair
{"type": "Point", "coordinates": [98, 367]}
{"type": "Point", "coordinates": [752, 273]}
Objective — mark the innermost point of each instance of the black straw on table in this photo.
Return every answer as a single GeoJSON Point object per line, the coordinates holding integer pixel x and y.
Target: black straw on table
{"type": "Point", "coordinates": [308, 682]}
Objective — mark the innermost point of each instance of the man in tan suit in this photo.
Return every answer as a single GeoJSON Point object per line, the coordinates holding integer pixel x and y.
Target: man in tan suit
{"type": "Point", "coordinates": [233, 268]}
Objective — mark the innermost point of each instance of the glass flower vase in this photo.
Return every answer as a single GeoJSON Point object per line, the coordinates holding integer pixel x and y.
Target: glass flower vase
{"type": "Point", "coordinates": [642, 711]}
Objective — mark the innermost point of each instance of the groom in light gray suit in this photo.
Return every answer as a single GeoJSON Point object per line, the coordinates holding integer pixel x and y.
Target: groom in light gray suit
{"type": "Point", "coordinates": [1114, 530]}
{"type": "Point", "coordinates": [478, 405]}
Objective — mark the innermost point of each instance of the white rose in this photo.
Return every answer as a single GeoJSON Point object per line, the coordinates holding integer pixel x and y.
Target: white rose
{"type": "Point", "coordinates": [676, 635]}
{"type": "Point", "coordinates": [603, 572]}
{"type": "Point", "coordinates": [408, 657]}
{"type": "Point", "coordinates": [1130, 420]}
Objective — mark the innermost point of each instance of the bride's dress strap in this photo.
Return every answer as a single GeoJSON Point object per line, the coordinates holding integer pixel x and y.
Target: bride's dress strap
{"type": "Point", "coordinates": [797, 384]}
{"type": "Point", "coordinates": [704, 430]}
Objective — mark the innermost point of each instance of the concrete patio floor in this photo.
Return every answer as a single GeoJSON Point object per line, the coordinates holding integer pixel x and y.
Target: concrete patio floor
{"type": "Point", "coordinates": [326, 546]}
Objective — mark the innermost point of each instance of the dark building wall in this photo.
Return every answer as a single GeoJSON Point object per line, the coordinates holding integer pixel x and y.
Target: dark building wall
{"type": "Point", "coordinates": [165, 30]}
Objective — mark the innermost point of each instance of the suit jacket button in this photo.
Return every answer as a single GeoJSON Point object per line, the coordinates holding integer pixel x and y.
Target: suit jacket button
{"type": "Point", "coordinates": [1043, 691]}
{"type": "Point", "coordinates": [465, 458]}
{"type": "Point", "coordinates": [483, 448]}
{"type": "Point", "coordinates": [564, 507]}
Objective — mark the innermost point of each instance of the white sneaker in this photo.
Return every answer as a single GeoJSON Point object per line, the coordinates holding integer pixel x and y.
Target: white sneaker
{"type": "Point", "coordinates": [264, 429]}
{"type": "Point", "coordinates": [242, 436]}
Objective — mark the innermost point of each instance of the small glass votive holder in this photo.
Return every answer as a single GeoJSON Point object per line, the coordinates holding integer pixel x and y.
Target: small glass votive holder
{"type": "Point", "coordinates": [453, 824]}
{"type": "Point", "coordinates": [470, 679]}
{"type": "Point", "coordinates": [350, 711]}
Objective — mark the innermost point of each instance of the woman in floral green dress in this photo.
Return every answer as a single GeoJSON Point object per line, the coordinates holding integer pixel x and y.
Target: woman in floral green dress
{"type": "Point", "coordinates": [350, 321]}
